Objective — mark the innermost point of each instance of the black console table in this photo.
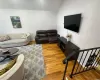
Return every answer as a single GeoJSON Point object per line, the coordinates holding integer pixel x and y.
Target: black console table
{"type": "Point", "coordinates": [67, 47]}
{"type": "Point", "coordinates": [62, 43]}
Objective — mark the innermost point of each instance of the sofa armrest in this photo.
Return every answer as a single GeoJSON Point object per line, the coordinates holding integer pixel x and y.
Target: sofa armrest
{"type": "Point", "coordinates": [36, 38]}
{"type": "Point", "coordinates": [58, 35]}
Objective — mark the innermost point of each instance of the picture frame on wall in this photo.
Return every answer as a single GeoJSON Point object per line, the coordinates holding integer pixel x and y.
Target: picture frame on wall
{"type": "Point", "coordinates": [16, 21]}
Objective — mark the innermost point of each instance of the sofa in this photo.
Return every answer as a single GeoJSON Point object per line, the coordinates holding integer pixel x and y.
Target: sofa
{"type": "Point", "coordinates": [16, 72]}
{"type": "Point", "coordinates": [46, 36]}
{"type": "Point", "coordinates": [14, 40]}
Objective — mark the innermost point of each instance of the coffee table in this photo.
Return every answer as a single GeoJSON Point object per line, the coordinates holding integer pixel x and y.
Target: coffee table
{"type": "Point", "coordinates": [7, 53]}
{"type": "Point", "coordinates": [67, 47]}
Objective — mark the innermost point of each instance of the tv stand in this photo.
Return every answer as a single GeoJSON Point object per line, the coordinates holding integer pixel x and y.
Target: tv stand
{"type": "Point", "coordinates": [67, 47]}
{"type": "Point", "coordinates": [62, 43]}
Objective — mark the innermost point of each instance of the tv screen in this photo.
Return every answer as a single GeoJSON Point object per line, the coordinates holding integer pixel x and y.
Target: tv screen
{"type": "Point", "coordinates": [72, 22]}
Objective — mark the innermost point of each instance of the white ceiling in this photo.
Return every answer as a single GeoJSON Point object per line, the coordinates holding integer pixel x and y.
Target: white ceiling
{"type": "Point", "coordinates": [52, 5]}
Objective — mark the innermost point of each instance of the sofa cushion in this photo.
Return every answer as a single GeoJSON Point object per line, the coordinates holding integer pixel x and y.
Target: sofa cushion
{"type": "Point", "coordinates": [13, 41]}
{"type": "Point", "coordinates": [52, 34]}
{"type": "Point", "coordinates": [41, 32]}
{"type": "Point", "coordinates": [52, 31]}
{"type": "Point", "coordinates": [18, 36]}
{"type": "Point", "coordinates": [52, 39]}
{"type": "Point", "coordinates": [44, 39]}
{"type": "Point", "coordinates": [4, 38]}
{"type": "Point", "coordinates": [42, 35]}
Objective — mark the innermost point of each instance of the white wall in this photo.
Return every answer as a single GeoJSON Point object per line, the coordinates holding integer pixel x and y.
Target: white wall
{"type": "Point", "coordinates": [48, 5]}
{"type": "Point", "coordinates": [90, 27]}
{"type": "Point", "coordinates": [31, 20]}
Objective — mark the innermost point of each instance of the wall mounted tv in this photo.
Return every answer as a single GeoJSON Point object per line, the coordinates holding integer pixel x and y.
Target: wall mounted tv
{"type": "Point", "coordinates": [72, 22]}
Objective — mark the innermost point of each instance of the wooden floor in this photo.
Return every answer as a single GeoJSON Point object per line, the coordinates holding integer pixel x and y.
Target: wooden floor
{"type": "Point", "coordinates": [53, 58]}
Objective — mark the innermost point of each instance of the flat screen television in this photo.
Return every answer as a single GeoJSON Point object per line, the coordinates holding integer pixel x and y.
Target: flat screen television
{"type": "Point", "coordinates": [72, 22]}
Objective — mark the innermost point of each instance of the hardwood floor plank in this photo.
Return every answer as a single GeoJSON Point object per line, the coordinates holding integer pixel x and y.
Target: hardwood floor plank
{"type": "Point", "coordinates": [53, 57]}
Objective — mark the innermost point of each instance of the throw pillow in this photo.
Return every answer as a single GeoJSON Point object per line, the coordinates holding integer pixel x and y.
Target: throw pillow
{"type": "Point", "coordinates": [4, 38]}
{"type": "Point", "coordinates": [24, 36]}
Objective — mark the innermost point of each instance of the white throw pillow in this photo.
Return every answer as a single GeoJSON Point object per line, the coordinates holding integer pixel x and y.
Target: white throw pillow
{"type": "Point", "coordinates": [23, 36]}
{"type": "Point", "coordinates": [4, 38]}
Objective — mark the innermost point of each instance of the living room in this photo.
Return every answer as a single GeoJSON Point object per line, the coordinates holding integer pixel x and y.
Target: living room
{"type": "Point", "coordinates": [23, 19]}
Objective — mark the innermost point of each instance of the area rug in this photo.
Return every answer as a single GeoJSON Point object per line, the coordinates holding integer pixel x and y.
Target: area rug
{"type": "Point", "coordinates": [34, 61]}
